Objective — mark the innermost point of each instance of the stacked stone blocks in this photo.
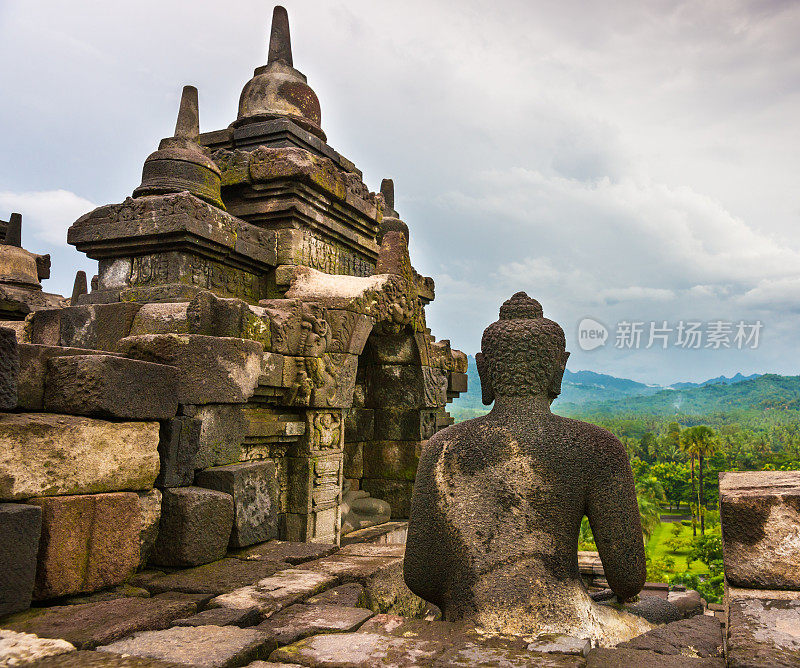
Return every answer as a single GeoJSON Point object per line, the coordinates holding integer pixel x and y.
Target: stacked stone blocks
{"type": "Point", "coordinates": [255, 304]}
{"type": "Point", "coordinates": [760, 516]}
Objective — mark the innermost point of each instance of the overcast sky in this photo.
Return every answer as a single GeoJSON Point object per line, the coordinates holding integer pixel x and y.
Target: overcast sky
{"type": "Point", "coordinates": [621, 161]}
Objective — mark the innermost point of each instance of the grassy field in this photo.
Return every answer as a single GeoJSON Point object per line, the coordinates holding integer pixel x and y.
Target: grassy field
{"type": "Point", "coordinates": [658, 548]}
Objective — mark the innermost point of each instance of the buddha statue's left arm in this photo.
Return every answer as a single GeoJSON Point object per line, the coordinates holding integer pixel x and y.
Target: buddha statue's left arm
{"type": "Point", "coordinates": [613, 513]}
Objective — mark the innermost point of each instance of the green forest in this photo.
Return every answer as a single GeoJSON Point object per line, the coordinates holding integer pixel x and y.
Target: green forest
{"type": "Point", "coordinates": [678, 440]}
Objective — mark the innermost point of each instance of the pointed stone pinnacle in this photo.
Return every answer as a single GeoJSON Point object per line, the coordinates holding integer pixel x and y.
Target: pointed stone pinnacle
{"type": "Point", "coordinates": [188, 125]}
{"type": "Point", "coordinates": [280, 43]}
{"type": "Point", "coordinates": [14, 230]}
{"type": "Point", "coordinates": [79, 288]}
{"type": "Point", "coordinates": [387, 190]}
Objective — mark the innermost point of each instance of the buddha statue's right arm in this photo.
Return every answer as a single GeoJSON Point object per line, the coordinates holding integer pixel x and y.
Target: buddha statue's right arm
{"type": "Point", "coordinates": [613, 514]}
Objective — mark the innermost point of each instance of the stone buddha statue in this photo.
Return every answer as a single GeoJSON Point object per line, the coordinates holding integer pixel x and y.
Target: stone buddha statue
{"type": "Point", "coordinates": [359, 510]}
{"type": "Point", "coordinates": [498, 500]}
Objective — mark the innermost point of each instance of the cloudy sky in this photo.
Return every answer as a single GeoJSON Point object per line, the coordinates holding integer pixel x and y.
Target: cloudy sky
{"type": "Point", "coordinates": [620, 161]}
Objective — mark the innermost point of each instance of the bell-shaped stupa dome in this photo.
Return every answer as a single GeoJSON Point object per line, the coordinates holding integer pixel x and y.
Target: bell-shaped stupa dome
{"type": "Point", "coordinates": [277, 89]}
{"type": "Point", "coordinates": [180, 164]}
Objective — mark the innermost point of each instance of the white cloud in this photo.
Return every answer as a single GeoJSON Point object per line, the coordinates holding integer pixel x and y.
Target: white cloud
{"type": "Point", "coordinates": [624, 159]}
{"type": "Point", "coordinates": [47, 214]}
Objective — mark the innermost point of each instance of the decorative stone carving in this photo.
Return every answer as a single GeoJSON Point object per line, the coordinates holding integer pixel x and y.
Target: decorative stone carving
{"type": "Point", "coordinates": [327, 434]}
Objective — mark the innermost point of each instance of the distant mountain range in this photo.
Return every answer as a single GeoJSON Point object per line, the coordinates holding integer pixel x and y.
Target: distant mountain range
{"type": "Point", "coordinates": [738, 378]}
{"type": "Point", "coordinates": [587, 392]}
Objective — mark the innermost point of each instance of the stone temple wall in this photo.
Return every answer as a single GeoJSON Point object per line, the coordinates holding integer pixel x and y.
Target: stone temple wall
{"type": "Point", "coordinates": [252, 350]}
{"type": "Point", "coordinates": [760, 516]}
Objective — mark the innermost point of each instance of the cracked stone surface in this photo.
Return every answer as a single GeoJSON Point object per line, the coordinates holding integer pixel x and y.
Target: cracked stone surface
{"type": "Point", "coordinates": [18, 648]}
{"type": "Point", "coordinates": [203, 646]}
{"type": "Point", "coordinates": [300, 621]}
{"type": "Point", "coordinates": [88, 625]}
{"type": "Point", "coordinates": [763, 628]}
{"type": "Point", "coordinates": [277, 592]}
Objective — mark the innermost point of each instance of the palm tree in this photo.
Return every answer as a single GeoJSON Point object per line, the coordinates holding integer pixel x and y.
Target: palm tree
{"type": "Point", "coordinates": [705, 447]}
{"type": "Point", "coordinates": [688, 446]}
{"type": "Point", "coordinates": [650, 514]}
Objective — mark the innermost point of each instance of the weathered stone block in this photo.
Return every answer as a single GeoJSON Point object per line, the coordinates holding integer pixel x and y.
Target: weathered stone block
{"type": "Point", "coordinates": [222, 617]}
{"type": "Point", "coordinates": [457, 382]}
{"type": "Point", "coordinates": [19, 649]}
{"type": "Point", "coordinates": [398, 385]}
{"type": "Point", "coordinates": [381, 575]}
{"type": "Point", "coordinates": [195, 527]}
{"type": "Point", "coordinates": [20, 329]}
{"type": "Point", "coordinates": [763, 628]}
{"type": "Point", "coordinates": [210, 315]}
{"type": "Point", "coordinates": [353, 460]}
{"type": "Point", "coordinates": [254, 488]}
{"type": "Point", "coordinates": [340, 374]}
{"type": "Point", "coordinates": [88, 625]}
{"type": "Point", "coordinates": [109, 386]}
{"type": "Point", "coordinates": [215, 578]}
{"type": "Point", "coordinates": [44, 327]}
{"type": "Point", "coordinates": [276, 592]}
{"type": "Point", "coordinates": [300, 621]}
{"type": "Point", "coordinates": [33, 360]}
{"type": "Point", "coordinates": [272, 367]}
{"type": "Point", "coordinates": [207, 646]}
{"type": "Point", "coordinates": [168, 318]}
{"type": "Point", "coordinates": [223, 428]}
{"type": "Point", "coordinates": [397, 493]}
{"type": "Point", "coordinates": [178, 444]}
{"type": "Point", "coordinates": [558, 643]}
{"type": "Point", "coordinates": [43, 454]}
{"type": "Point", "coordinates": [760, 515]}
{"type": "Point", "coordinates": [96, 326]}
{"type": "Point", "coordinates": [210, 369]}
{"type": "Point", "coordinates": [404, 425]}
{"type": "Point", "coordinates": [394, 349]}
{"type": "Point", "coordinates": [601, 657]}
{"type": "Point", "coordinates": [92, 659]}
{"type": "Point", "coordinates": [88, 542]}
{"type": "Point", "coordinates": [698, 636]}
{"type": "Point", "coordinates": [20, 528]}
{"type": "Point", "coordinates": [392, 460]}
{"type": "Point", "coordinates": [359, 425]}
{"type": "Point", "coordinates": [350, 594]}
{"type": "Point", "coordinates": [291, 552]}
{"type": "Point", "coordinates": [366, 649]}
{"type": "Point", "coordinates": [149, 520]}
{"type": "Point", "coordinates": [318, 526]}
{"type": "Point", "coordinates": [9, 369]}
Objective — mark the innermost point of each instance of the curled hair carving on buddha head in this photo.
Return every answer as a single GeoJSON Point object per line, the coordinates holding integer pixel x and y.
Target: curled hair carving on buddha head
{"type": "Point", "coordinates": [523, 353]}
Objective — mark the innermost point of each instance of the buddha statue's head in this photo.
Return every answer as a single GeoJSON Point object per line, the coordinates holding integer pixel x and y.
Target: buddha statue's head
{"type": "Point", "coordinates": [523, 353]}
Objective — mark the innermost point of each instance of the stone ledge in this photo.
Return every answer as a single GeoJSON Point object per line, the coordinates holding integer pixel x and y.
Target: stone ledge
{"type": "Point", "coordinates": [42, 454]}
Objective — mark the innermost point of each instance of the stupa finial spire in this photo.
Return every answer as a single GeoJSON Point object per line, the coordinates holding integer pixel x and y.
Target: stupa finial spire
{"type": "Point", "coordinates": [387, 190]}
{"type": "Point", "coordinates": [14, 230]}
{"type": "Point", "coordinates": [188, 125]}
{"type": "Point", "coordinates": [280, 43]}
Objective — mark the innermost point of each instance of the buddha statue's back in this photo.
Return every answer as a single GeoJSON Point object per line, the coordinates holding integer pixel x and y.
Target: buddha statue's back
{"type": "Point", "coordinates": [498, 500]}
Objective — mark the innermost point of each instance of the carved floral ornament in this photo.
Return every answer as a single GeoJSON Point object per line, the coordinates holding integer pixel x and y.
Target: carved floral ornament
{"type": "Point", "coordinates": [157, 207]}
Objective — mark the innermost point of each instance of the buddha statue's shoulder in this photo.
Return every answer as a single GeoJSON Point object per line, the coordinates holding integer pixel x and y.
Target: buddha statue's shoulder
{"type": "Point", "coordinates": [593, 438]}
